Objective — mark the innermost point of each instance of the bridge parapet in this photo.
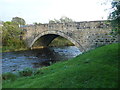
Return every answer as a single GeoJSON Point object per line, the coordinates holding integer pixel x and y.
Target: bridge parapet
{"type": "Point", "coordinates": [71, 26]}
{"type": "Point", "coordinates": [85, 35]}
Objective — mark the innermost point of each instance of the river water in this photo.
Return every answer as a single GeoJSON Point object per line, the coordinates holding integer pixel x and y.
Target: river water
{"type": "Point", "coordinates": [16, 61]}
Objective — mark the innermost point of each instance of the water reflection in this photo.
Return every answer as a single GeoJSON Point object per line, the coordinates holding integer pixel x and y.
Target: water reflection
{"type": "Point", "coordinates": [15, 61]}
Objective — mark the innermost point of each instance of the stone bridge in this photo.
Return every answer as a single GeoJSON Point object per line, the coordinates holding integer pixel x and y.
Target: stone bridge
{"type": "Point", "coordinates": [84, 35]}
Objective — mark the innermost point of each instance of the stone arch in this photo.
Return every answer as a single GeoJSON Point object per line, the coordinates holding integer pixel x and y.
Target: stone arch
{"type": "Point", "coordinates": [60, 33]}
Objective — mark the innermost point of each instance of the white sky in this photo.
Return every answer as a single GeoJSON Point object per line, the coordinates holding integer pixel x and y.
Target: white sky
{"type": "Point", "coordinates": [45, 10]}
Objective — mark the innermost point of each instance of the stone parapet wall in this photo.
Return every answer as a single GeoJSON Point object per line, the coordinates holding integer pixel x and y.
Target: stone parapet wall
{"type": "Point", "coordinates": [85, 35]}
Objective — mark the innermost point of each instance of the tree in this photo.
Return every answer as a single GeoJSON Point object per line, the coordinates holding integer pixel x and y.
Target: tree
{"type": "Point", "coordinates": [18, 20]}
{"type": "Point", "coordinates": [52, 21]}
{"type": "Point", "coordinates": [35, 23]}
{"type": "Point", "coordinates": [63, 19]}
{"type": "Point", "coordinates": [11, 35]}
{"type": "Point", "coordinates": [115, 16]}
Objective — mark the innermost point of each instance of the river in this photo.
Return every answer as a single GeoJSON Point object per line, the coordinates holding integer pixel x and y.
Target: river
{"type": "Point", "coordinates": [19, 60]}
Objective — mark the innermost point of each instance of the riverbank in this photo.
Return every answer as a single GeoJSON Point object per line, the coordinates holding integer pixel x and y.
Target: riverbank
{"type": "Point", "coordinates": [57, 42]}
{"type": "Point", "coordinates": [94, 69]}
{"type": "Point", "coordinates": [11, 49]}
{"type": "Point", "coordinates": [60, 41]}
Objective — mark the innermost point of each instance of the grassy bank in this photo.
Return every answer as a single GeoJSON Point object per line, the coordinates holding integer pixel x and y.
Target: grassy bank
{"type": "Point", "coordinates": [95, 69]}
{"type": "Point", "coordinates": [11, 48]}
{"type": "Point", "coordinates": [60, 41]}
{"type": "Point", "coordinates": [17, 45]}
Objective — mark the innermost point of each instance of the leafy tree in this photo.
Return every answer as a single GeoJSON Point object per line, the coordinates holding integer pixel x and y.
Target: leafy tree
{"type": "Point", "coordinates": [56, 21]}
{"type": "Point", "coordinates": [63, 19]}
{"type": "Point", "coordinates": [11, 35]}
{"type": "Point", "coordinates": [115, 16]}
{"type": "Point", "coordinates": [18, 20]}
{"type": "Point", "coordinates": [52, 21]}
{"type": "Point", "coordinates": [35, 23]}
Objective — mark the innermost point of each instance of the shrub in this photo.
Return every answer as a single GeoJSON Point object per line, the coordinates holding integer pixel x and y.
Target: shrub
{"type": "Point", "coordinates": [36, 72]}
{"type": "Point", "coordinates": [26, 72]}
{"type": "Point", "coordinates": [9, 76]}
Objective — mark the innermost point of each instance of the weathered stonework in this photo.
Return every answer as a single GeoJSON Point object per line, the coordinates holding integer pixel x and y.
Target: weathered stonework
{"type": "Point", "coordinates": [84, 35]}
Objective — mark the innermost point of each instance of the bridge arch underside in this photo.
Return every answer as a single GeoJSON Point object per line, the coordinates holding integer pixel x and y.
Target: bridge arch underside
{"type": "Point", "coordinates": [46, 38]}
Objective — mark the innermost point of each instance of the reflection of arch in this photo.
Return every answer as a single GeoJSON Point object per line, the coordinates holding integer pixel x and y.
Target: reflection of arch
{"type": "Point", "coordinates": [54, 34]}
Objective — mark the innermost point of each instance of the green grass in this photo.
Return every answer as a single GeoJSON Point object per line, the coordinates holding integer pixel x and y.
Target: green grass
{"type": "Point", "coordinates": [60, 41]}
{"type": "Point", "coordinates": [11, 48]}
{"type": "Point", "coordinates": [94, 69]}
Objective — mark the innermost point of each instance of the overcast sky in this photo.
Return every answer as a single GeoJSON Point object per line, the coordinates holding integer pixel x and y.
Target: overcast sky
{"type": "Point", "coordinates": [45, 10]}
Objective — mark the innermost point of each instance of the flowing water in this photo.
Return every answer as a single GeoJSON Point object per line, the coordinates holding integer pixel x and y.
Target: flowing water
{"type": "Point", "coordinates": [16, 61]}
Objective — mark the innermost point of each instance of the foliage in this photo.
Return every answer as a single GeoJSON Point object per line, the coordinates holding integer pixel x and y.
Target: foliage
{"type": "Point", "coordinates": [60, 41]}
{"type": "Point", "coordinates": [94, 69]}
{"type": "Point", "coordinates": [115, 16]}
{"type": "Point", "coordinates": [52, 21]}
{"type": "Point", "coordinates": [9, 76]}
{"type": "Point", "coordinates": [35, 23]}
{"type": "Point", "coordinates": [26, 72]}
{"type": "Point", "coordinates": [29, 72]}
{"type": "Point", "coordinates": [18, 20]}
{"type": "Point", "coordinates": [11, 35]}
{"type": "Point", "coordinates": [63, 19]}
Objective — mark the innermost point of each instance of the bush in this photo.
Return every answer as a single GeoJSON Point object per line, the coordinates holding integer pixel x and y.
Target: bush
{"type": "Point", "coordinates": [9, 76]}
{"type": "Point", "coordinates": [29, 72]}
{"type": "Point", "coordinates": [37, 72]}
{"type": "Point", "coordinates": [12, 36]}
{"type": "Point", "coordinates": [26, 72]}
